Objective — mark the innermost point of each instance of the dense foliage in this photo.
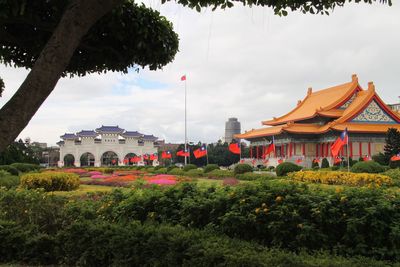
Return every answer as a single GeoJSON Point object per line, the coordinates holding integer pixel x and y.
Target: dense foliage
{"type": "Point", "coordinates": [342, 178]}
{"type": "Point", "coordinates": [325, 163]}
{"type": "Point", "coordinates": [18, 152]}
{"type": "Point", "coordinates": [242, 168]}
{"type": "Point", "coordinates": [50, 181]}
{"type": "Point", "coordinates": [285, 167]}
{"type": "Point", "coordinates": [188, 167]}
{"type": "Point", "coordinates": [367, 167]}
{"type": "Point", "coordinates": [392, 146]}
{"type": "Point", "coordinates": [349, 222]}
{"type": "Point", "coordinates": [12, 170]}
{"type": "Point", "coordinates": [25, 167]}
{"type": "Point", "coordinates": [210, 167]}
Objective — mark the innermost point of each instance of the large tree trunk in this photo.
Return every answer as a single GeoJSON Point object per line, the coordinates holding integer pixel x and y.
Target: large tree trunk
{"type": "Point", "coordinates": [77, 19]}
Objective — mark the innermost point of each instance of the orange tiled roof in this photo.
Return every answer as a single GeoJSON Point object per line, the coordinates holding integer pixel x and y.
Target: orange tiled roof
{"type": "Point", "coordinates": [343, 116]}
{"type": "Point", "coordinates": [319, 102]}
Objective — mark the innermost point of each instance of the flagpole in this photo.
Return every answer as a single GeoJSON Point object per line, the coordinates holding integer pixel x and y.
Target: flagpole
{"type": "Point", "coordinates": [347, 150]}
{"type": "Point", "coordinates": [185, 124]}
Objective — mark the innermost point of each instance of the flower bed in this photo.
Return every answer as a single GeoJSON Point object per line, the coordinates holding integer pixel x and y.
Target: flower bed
{"type": "Point", "coordinates": [341, 178]}
{"type": "Point", "coordinates": [162, 179]}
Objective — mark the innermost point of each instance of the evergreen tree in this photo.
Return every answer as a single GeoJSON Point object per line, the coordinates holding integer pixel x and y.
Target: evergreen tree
{"type": "Point", "coordinates": [392, 145]}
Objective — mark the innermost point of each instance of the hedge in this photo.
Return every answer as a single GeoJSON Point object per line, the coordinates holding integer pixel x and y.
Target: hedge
{"type": "Point", "coordinates": [51, 181]}
{"type": "Point", "coordinates": [12, 170]}
{"type": "Point", "coordinates": [210, 167]}
{"type": "Point", "coordinates": [195, 173]}
{"type": "Point", "coordinates": [254, 176]}
{"type": "Point", "coordinates": [220, 174]}
{"type": "Point", "coordinates": [176, 171]}
{"type": "Point", "coordinates": [86, 243]}
{"type": "Point", "coordinates": [286, 167]}
{"type": "Point", "coordinates": [7, 180]}
{"type": "Point", "coordinates": [242, 168]}
{"type": "Point", "coordinates": [188, 167]}
{"type": "Point", "coordinates": [25, 167]}
{"type": "Point", "coordinates": [341, 178]}
{"type": "Point", "coordinates": [367, 167]}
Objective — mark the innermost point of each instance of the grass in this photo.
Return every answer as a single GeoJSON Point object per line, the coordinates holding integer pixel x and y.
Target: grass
{"type": "Point", "coordinates": [83, 190]}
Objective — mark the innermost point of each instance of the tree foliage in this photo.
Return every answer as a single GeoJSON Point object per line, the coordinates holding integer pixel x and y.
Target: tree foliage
{"type": "Point", "coordinates": [128, 36]}
{"type": "Point", "coordinates": [18, 152]}
{"type": "Point", "coordinates": [392, 146]}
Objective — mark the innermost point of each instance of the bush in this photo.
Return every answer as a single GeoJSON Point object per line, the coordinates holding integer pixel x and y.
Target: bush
{"type": "Point", "coordinates": [176, 171]}
{"type": "Point", "coordinates": [394, 164]}
{"type": "Point", "coordinates": [380, 158]}
{"type": "Point", "coordinates": [324, 163]}
{"type": "Point", "coordinates": [51, 181]}
{"type": "Point", "coordinates": [314, 164]}
{"type": "Point", "coordinates": [7, 180]}
{"type": "Point", "coordinates": [394, 174]}
{"type": "Point", "coordinates": [220, 174]}
{"type": "Point", "coordinates": [108, 170]}
{"type": "Point", "coordinates": [242, 168]}
{"type": "Point", "coordinates": [335, 168]}
{"type": "Point", "coordinates": [271, 168]}
{"type": "Point", "coordinates": [188, 167]}
{"type": "Point", "coordinates": [284, 168]}
{"type": "Point", "coordinates": [194, 173]}
{"type": "Point", "coordinates": [151, 169]}
{"type": "Point", "coordinates": [254, 176]}
{"type": "Point", "coordinates": [210, 167]}
{"type": "Point", "coordinates": [12, 170]}
{"type": "Point", "coordinates": [170, 167]}
{"type": "Point", "coordinates": [26, 167]}
{"type": "Point", "coordinates": [342, 178]}
{"type": "Point", "coordinates": [161, 171]}
{"type": "Point", "coordinates": [367, 167]}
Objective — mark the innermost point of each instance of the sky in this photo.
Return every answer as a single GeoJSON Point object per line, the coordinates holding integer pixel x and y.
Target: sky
{"type": "Point", "coordinates": [241, 62]}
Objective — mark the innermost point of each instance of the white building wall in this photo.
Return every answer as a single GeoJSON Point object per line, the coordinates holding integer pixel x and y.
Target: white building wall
{"type": "Point", "coordinates": [108, 143]}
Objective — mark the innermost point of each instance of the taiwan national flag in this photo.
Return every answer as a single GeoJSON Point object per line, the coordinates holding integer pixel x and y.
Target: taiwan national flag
{"type": "Point", "coordinates": [270, 148]}
{"type": "Point", "coordinates": [366, 158]}
{"type": "Point", "coordinates": [395, 157]}
{"type": "Point", "coordinates": [200, 152]}
{"type": "Point", "coordinates": [126, 160]}
{"type": "Point", "coordinates": [183, 78]}
{"type": "Point", "coordinates": [146, 157]}
{"type": "Point", "coordinates": [154, 156]}
{"type": "Point", "coordinates": [339, 143]}
{"type": "Point", "coordinates": [183, 153]}
{"type": "Point", "coordinates": [166, 154]}
{"type": "Point", "coordinates": [298, 161]}
{"type": "Point", "coordinates": [234, 148]}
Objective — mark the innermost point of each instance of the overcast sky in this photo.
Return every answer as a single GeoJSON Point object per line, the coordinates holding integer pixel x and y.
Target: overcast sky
{"type": "Point", "coordinates": [242, 62]}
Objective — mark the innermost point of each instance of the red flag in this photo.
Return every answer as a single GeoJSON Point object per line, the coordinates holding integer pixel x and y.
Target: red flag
{"type": "Point", "coordinates": [280, 161]}
{"type": "Point", "coordinates": [113, 161]}
{"type": "Point", "coordinates": [200, 152]}
{"type": "Point", "coordinates": [166, 154]}
{"type": "Point", "coordinates": [395, 157]}
{"type": "Point", "coordinates": [337, 160]}
{"type": "Point", "coordinates": [183, 78]}
{"type": "Point", "coordinates": [183, 153]}
{"type": "Point", "coordinates": [154, 156]}
{"type": "Point", "coordinates": [270, 148]}
{"type": "Point", "coordinates": [234, 148]}
{"type": "Point", "coordinates": [339, 143]}
{"type": "Point", "coordinates": [145, 157]}
{"type": "Point", "coordinates": [366, 158]}
{"type": "Point", "coordinates": [298, 161]}
{"type": "Point", "coordinates": [126, 160]}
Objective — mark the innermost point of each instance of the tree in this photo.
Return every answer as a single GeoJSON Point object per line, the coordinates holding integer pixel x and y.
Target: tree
{"type": "Point", "coordinates": [18, 152]}
{"type": "Point", "coordinates": [392, 146]}
{"type": "Point", "coordinates": [55, 38]}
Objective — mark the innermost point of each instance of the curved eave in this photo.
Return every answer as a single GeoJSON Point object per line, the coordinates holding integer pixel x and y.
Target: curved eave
{"type": "Point", "coordinates": [365, 128]}
{"type": "Point", "coordinates": [354, 87]}
{"type": "Point", "coordinates": [257, 133]}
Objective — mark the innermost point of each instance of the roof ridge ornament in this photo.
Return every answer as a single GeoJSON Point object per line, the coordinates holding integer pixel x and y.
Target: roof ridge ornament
{"type": "Point", "coordinates": [309, 91]}
{"type": "Point", "coordinates": [354, 78]}
{"type": "Point", "coordinates": [371, 86]}
{"type": "Point", "coordinates": [298, 102]}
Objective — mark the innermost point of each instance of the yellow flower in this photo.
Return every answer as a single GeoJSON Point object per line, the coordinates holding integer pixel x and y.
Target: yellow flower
{"type": "Point", "coordinates": [257, 210]}
{"type": "Point", "coordinates": [343, 199]}
{"type": "Point", "coordinates": [266, 210]}
{"type": "Point", "coordinates": [278, 199]}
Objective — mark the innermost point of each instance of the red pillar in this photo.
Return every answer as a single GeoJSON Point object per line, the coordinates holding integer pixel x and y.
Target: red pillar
{"type": "Point", "coordinates": [256, 152]}
{"type": "Point", "coordinates": [360, 151]}
{"type": "Point", "coordinates": [304, 149]}
{"type": "Point", "coordinates": [282, 150]}
{"type": "Point", "coordinates": [316, 150]}
{"type": "Point", "coordinates": [290, 150]}
{"type": "Point", "coordinates": [369, 149]}
{"type": "Point", "coordinates": [251, 152]}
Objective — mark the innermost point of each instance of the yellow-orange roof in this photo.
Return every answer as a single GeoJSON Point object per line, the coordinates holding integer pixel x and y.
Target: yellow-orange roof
{"type": "Point", "coordinates": [319, 102]}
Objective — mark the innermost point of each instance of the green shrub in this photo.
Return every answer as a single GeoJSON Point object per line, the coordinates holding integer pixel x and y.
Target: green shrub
{"type": "Point", "coordinates": [161, 171]}
{"type": "Point", "coordinates": [188, 167]}
{"type": "Point", "coordinates": [380, 158]}
{"type": "Point", "coordinates": [108, 170]}
{"type": "Point", "coordinates": [335, 168]}
{"type": "Point", "coordinates": [25, 167]}
{"type": "Point", "coordinates": [195, 173]}
{"type": "Point", "coordinates": [150, 169]}
{"type": "Point", "coordinates": [314, 164]}
{"type": "Point", "coordinates": [158, 167]}
{"type": "Point", "coordinates": [12, 170]}
{"type": "Point", "coordinates": [220, 174]}
{"type": "Point", "coordinates": [242, 168]}
{"type": "Point", "coordinates": [324, 163]}
{"type": "Point", "coordinates": [286, 167]}
{"type": "Point", "coordinates": [210, 167]}
{"type": "Point", "coordinates": [7, 180]}
{"type": "Point", "coordinates": [271, 168]}
{"type": "Point", "coordinates": [170, 167]}
{"type": "Point", "coordinates": [51, 181]}
{"type": "Point", "coordinates": [394, 164]}
{"type": "Point", "coordinates": [254, 176]}
{"type": "Point", "coordinates": [176, 171]}
{"type": "Point", "coordinates": [394, 174]}
{"type": "Point", "coordinates": [367, 167]}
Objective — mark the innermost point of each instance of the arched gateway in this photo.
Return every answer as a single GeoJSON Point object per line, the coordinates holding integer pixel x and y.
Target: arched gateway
{"type": "Point", "coordinates": [105, 146]}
